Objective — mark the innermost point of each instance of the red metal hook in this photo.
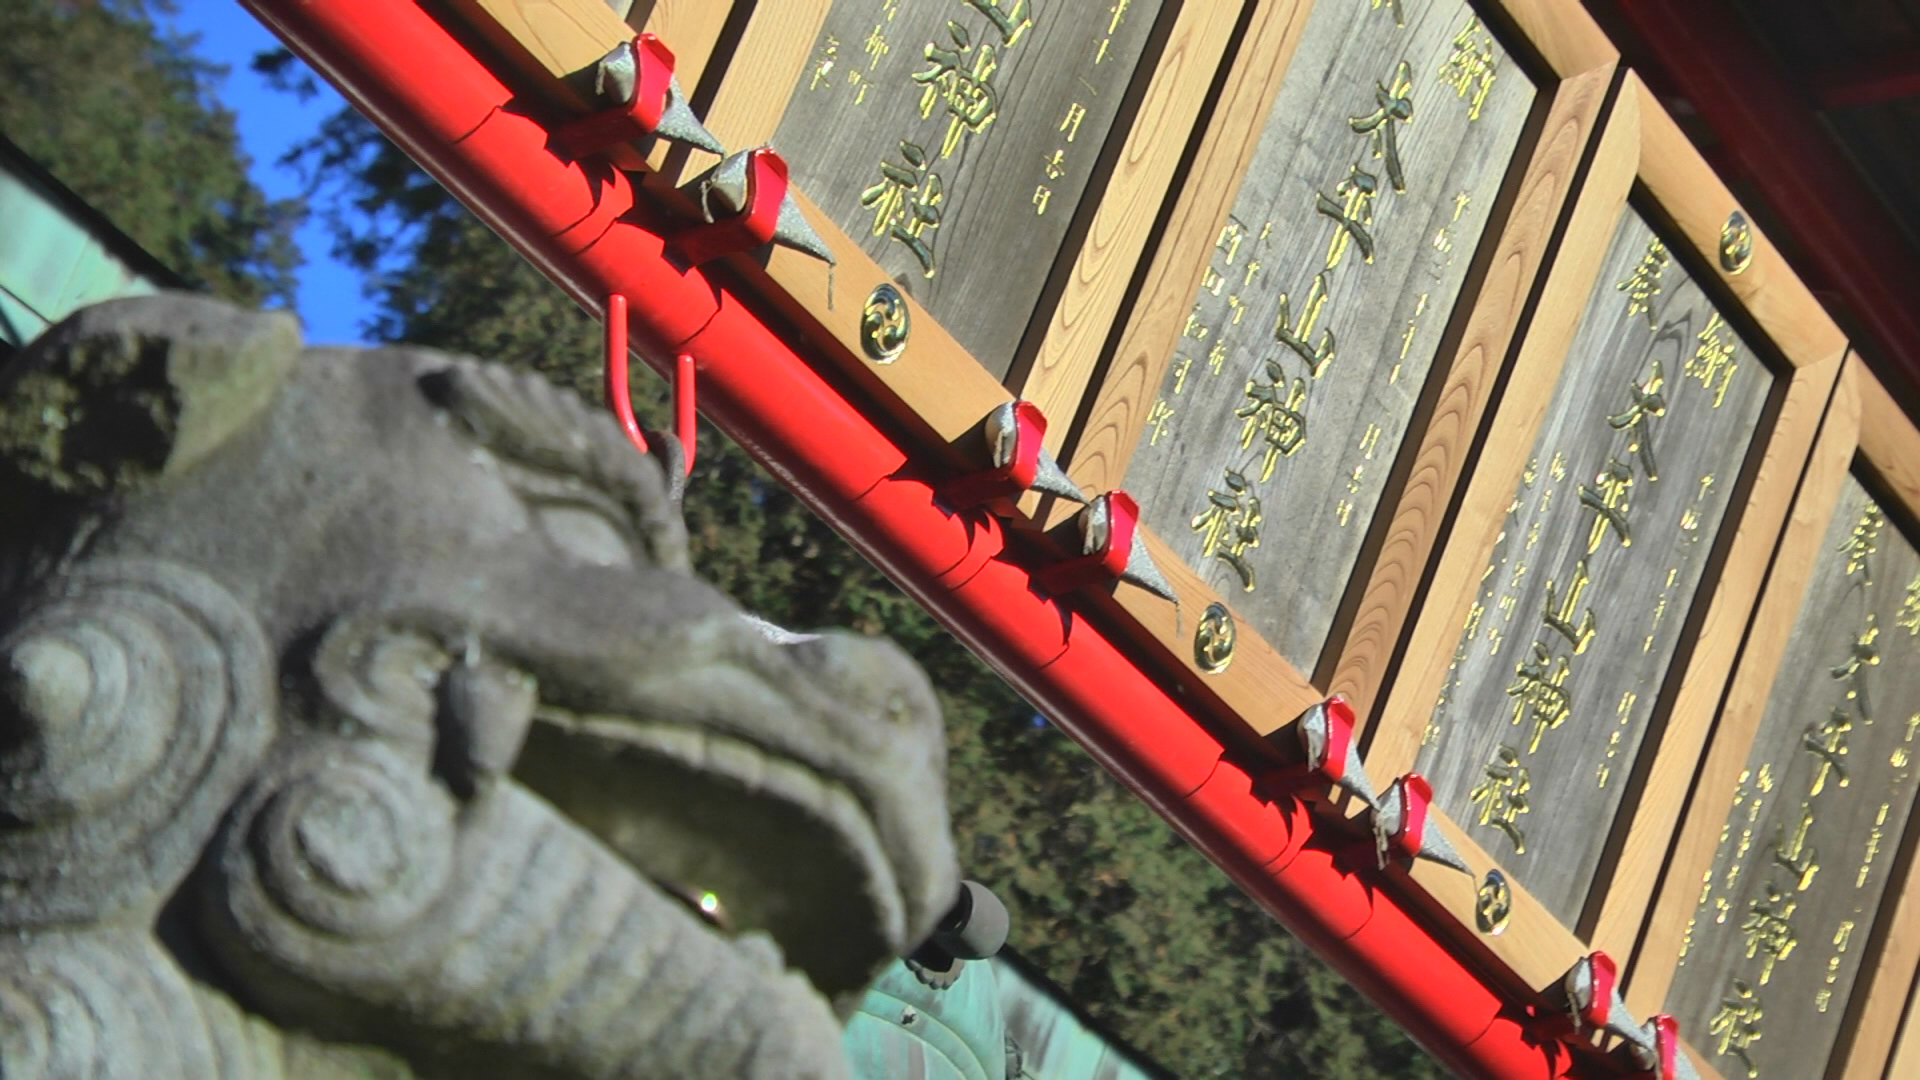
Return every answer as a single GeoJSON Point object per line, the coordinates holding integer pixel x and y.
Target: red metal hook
{"type": "Point", "coordinates": [619, 396]}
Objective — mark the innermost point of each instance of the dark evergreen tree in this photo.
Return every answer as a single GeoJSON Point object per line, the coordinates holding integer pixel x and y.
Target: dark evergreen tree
{"type": "Point", "coordinates": [125, 115]}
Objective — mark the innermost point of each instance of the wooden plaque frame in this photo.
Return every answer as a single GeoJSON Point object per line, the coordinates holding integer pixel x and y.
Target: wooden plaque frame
{"type": "Point", "coordinates": [1641, 154]}
{"type": "Point", "coordinates": [1864, 433]}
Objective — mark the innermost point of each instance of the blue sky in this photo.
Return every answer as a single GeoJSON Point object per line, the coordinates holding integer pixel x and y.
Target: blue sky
{"type": "Point", "coordinates": [330, 300]}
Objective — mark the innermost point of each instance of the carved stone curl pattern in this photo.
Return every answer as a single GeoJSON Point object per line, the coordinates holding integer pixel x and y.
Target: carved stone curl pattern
{"type": "Point", "coordinates": [360, 717]}
{"type": "Point", "coordinates": [137, 697]}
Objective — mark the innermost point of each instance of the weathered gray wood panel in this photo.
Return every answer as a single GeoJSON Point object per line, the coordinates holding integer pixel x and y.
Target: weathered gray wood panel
{"type": "Point", "coordinates": [1774, 947]}
{"type": "Point", "coordinates": [1604, 546]}
{"type": "Point", "coordinates": [954, 139]}
{"type": "Point", "coordinates": [1308, 341]}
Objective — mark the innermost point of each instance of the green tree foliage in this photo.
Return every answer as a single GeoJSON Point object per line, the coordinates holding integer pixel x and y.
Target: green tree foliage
{"type": "Point", "coordinates": [125, 116]}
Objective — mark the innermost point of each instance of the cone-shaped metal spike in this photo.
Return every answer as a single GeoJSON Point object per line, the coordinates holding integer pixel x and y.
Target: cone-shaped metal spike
{"type": "Point", "coordinates": [1326, 737]}
{"type": "Point", "coordinates": [1435, 847]}
{"type": "Point", "coordinates": [1142, 572]}
{"type": "Point", "coordinates": [724, 187]}
{"type": "Point", "coordinates": [677, 122]}
{"type": "Point", "coordinates": [1050, 479]}
{"type": "Point", "coordinates": [1622, 1023]}
{"type": "Point", "coordinates": [617, 78]}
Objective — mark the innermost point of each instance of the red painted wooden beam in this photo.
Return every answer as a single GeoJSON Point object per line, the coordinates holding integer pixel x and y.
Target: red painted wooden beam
{"type": "Point", "coordinates": [581, 225]}
{"type": "Point", "coordinates": [1739, 92]}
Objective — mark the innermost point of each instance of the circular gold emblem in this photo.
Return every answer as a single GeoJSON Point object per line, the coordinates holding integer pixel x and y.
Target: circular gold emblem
{"type": "Point", "coordinates": [883, 323]}
{"type": "Point", "coordinates": [1495, 904]}
{"type": "Point", "coordinates": [1736, 243]}
{"type": "Point", "coordinates": [1213, 639]}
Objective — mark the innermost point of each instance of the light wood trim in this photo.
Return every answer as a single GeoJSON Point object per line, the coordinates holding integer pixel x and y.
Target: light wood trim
{"type": "Point", "coordinates": [561, 38]}
{"type": "Point", "coordinates": [1684, 187]}
{"type": "Point", "coordinates": [1905, 1060]}
{"type": "Point", "coordinates": [1886, 986]}
{"type": "Point", "coordinates": [1105, 443]}
{"type": "Point", "coordinates": [691, 28]}
{"type": "Point", "coordinates": [541, 38]}
{"type": "Point", "coordinates": [1563, 34]}
{"type": "Point", "coordinates": [1890, 441]}
{"type": "Point", "coordinates": [1687, 189]}
{"type": "Point", "coordinates": [1651, 973]}
{"type": "Point", "coordinates": [1538, 949]}
{"type": "Point", "coordinates": [1420, 487]}
{"type": "Point", "coordinates": [1260, 686]}
{"type": "Point", "coordinates": [1081, 322]}
{"type": "Point", "coordinates": [1401, 719]}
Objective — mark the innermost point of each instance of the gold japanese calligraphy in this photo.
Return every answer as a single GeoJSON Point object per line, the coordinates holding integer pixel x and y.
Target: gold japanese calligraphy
{"type": "Point", "coordinates": [1006, 106]}
{"type": "Point", "coordinates": [1315, 315]}
{"type": "Point", "coordinates": [1798, 876]}
{"type": "Point", "coordinates": [1607, 538]}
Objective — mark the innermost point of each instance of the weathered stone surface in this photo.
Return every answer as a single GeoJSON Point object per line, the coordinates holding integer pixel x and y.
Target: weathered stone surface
{"type": "Point", "coordinates": [359, 716]}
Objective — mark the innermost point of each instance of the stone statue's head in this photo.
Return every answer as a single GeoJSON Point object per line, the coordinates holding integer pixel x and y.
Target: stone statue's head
{"type": "Point", "coordinates": [369, 694]}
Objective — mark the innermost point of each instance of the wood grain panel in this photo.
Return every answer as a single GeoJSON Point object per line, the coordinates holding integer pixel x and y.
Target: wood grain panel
{"type": "Point", "coordinates": [1584, 595]}
{"type": "Point", "coordinates": [1639, 145]}
{"type": "Point", "coordinates": [1308, 341]}
{"type": "Point", "coordinates": [1784, 916]}
{"type": "Point", "coordinates": [1401, 719]}
{"type": "Point", "coordinates": [1101, 450]}
{"type": "Point", "coordinates": [1082, 320]}
{"type": "Point", "coordinates": [954, 141]}
{"type": "Point", "coordinates": [1425, 480]}
{"type": "Point", "coordinates": [1690, 861]}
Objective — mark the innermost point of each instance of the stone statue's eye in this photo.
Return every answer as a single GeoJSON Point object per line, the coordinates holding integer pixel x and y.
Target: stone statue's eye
{"type": "Point", "coordinates": [584, 534]}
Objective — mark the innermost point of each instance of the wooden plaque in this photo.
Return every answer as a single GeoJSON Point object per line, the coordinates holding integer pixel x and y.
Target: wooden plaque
{"type": "Point", "coordinates": [1303, 351]}
{"type": "Point", "coordinates": [954, 140]}
{"type": "Point", "coordinates": [1609, 532]}
{"type": "Point", "coordinates": [1775, 942]}
{"type": "Point", "coordinates": [1783, 937]}
{"type": "Point", "coordinates": [1637, 655]}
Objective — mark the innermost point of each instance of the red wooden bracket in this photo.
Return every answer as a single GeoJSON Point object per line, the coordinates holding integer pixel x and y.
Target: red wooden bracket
{"type": "Point", "coordinates": [1106, 564]}
{"type": "Point", "coordinates": [619, 392]}
{"type": "Point", "coordinates": [1663, 1062]}
{"type": "Point", "coordinates": [1012, 478]}
{"type": "Point", "coordinates": [751, 227]}
{"type": "Point", "coordinates": [653, 75]}
{"type": "Point", "coordinates": [1326, 738]}
{"type": "Point", "coordinates": [1416, 798]}
{"type": "Point", "coordinates": [1589, 989]}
